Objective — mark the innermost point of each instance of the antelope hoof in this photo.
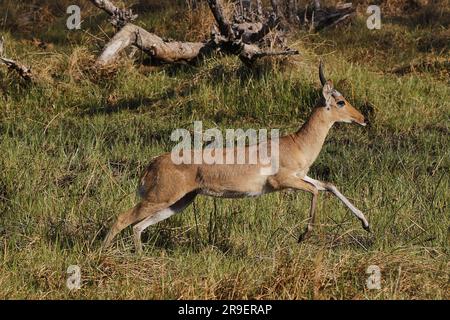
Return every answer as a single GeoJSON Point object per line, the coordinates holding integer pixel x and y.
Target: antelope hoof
{"type": "Point", "coordinates": [138, 248]}
{"type": "Point", "coordinates": [137, 240]}
{"type": "Point", "coordinates": [305, 235]}
{"type": "Point", "coordinates": [106, 243]}
{"type": "Point", "coordinates": [105, 246]}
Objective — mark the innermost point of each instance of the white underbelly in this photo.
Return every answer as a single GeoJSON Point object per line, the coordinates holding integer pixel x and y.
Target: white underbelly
{"type": "Point", "coordinates": [232, 194]}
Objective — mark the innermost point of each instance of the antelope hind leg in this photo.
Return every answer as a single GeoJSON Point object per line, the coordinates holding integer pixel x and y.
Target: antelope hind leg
{"type": "Point", "coordinates": [158, 216]}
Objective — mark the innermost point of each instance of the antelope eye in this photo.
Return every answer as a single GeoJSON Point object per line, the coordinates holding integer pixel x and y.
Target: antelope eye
{"type": "Point", "coordinates": [340, 104]}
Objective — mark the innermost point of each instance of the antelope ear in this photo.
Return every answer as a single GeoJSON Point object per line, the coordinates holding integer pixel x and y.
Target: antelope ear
{"type": "Point", "coordinates": [327, 92]}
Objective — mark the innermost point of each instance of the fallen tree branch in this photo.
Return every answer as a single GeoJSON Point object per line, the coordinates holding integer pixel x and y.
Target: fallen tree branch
{"type": "Point", "coordinates": [316, 17]}
{"type": "Point", "coordinates": [251, 53]}
{"type": "Point", "coordinates": [154, 46]}
{"type": "Point", "coordinates": [22, 70]}
{"type": "Point", "coordinates": [244, 39]}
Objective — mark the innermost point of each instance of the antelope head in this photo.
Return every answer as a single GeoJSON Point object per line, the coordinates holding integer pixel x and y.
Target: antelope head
{"type": "Point", "coordinates": [337, 108]}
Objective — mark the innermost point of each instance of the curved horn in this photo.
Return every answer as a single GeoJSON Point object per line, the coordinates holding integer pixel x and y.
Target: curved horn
{"type": "Point", "coordinates": [323, 80]}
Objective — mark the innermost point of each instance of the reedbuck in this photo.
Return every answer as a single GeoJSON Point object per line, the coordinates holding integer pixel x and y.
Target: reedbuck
{"type": "Point", "coordinates": [167, 188]}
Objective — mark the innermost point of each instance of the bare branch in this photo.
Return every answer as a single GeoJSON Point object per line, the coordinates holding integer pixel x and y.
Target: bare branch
{"type": "Point", "coordinates": [106, 6]}
{"type": "Point", "coordinates": [259, 11]}
{"type": "Point", "coordinates": [316, 4]}
{"type": "Point", "coordinates": [318, 17]}
{"type": "Point", "coordinates": [22, 70]}
{"type": "Point", "coordinates": [119, 17]}
{"type": "Point", "coordinates": [250, 53]}
{"type": "Point", "coordinates": [276, 8]}
{"type": "Point", "coordinates": [222, 22]}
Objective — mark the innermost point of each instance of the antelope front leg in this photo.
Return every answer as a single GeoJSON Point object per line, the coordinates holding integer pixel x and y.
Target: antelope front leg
{"type": "Point", "coordinates": [320, 185]}
{"type": "Point", "coordinates": [312, 216]}
{"type": "Point", "coordinates": [290, 181]}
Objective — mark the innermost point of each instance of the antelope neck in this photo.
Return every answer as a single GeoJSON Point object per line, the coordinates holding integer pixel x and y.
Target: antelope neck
{"type": "Point", "coordinates": [311, 136]}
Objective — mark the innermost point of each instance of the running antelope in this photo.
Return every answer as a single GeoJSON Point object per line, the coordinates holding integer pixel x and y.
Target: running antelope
{"type": "Point", "coordinates": [167, 188]}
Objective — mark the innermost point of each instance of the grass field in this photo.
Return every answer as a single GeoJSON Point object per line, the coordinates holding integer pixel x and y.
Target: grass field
{"type": "Point", "coordinates": [73, 145]}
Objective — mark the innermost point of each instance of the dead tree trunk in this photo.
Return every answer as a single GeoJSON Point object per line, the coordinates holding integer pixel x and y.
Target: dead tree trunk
{"type": "Point", "coordinates": [242, 37]}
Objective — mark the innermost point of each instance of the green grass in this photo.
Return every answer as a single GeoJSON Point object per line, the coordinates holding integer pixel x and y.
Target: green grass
{"type": "Point", "coordinates": [74, 144]}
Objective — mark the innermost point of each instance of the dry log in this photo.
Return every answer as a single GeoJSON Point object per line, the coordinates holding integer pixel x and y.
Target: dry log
{"type": "Point", "coordinates": [154, 46]}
